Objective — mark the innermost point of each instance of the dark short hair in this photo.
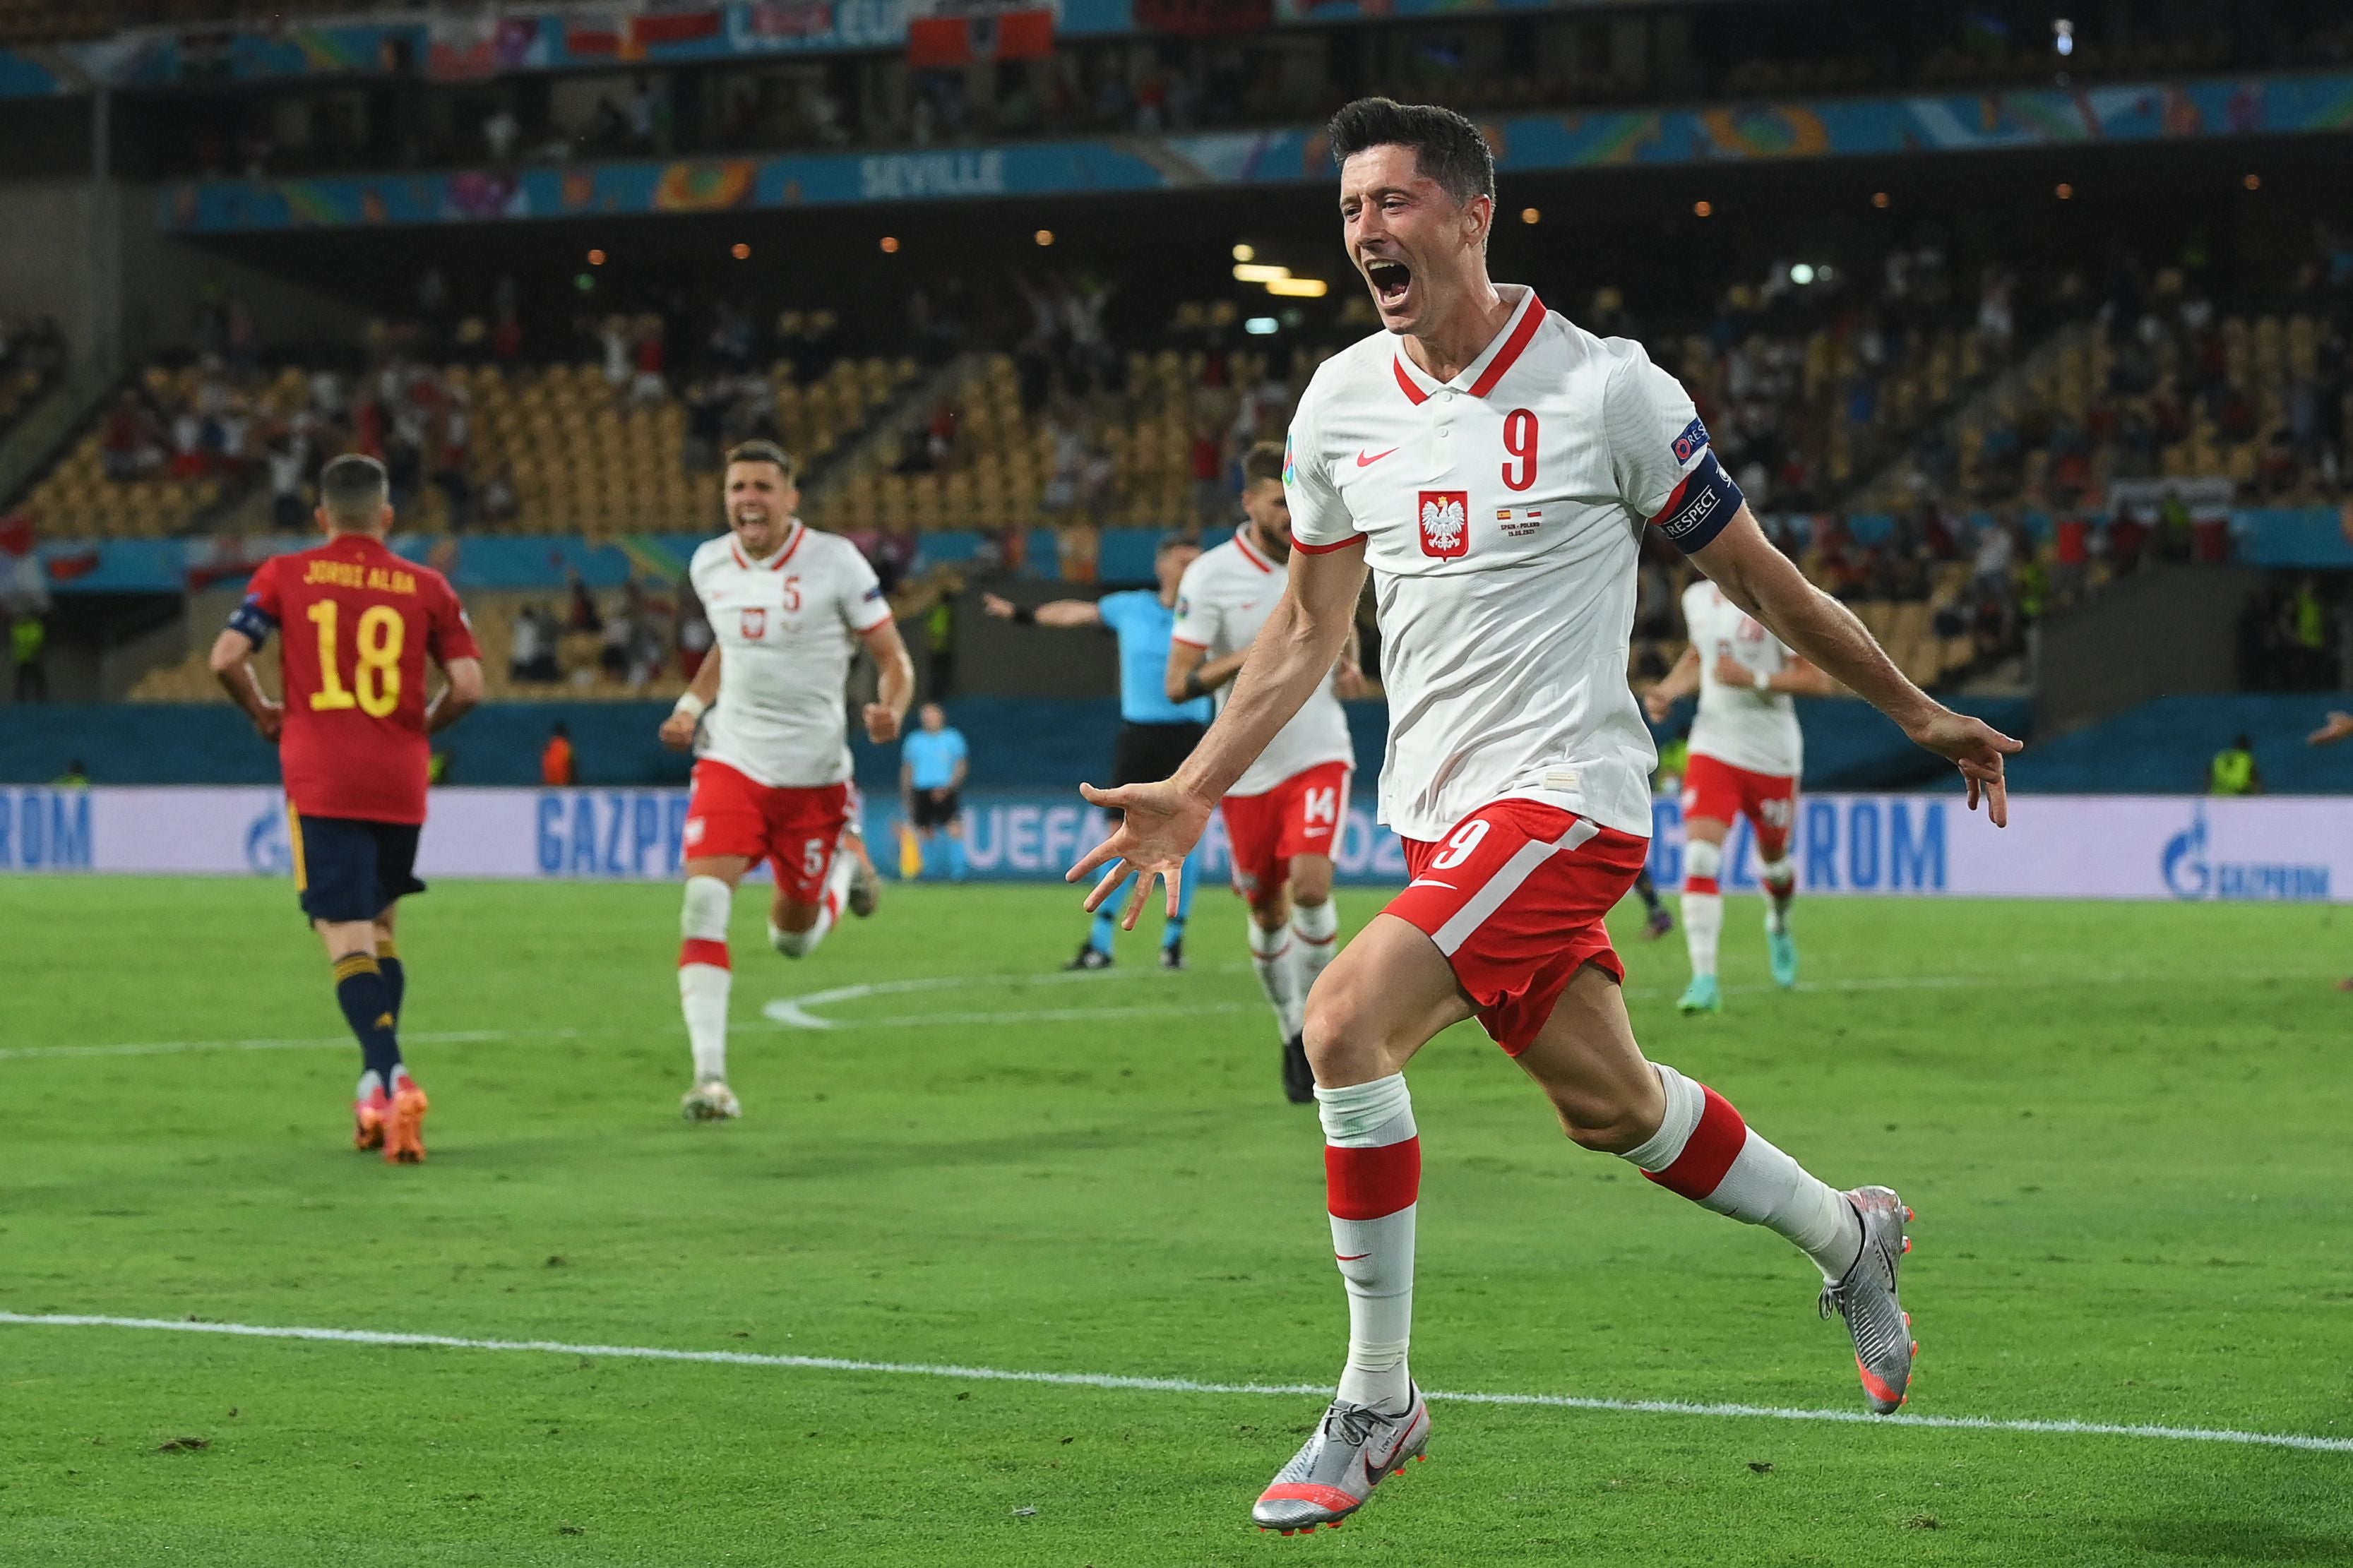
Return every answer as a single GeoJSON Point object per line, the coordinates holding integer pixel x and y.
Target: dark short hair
{"type": "Point", "coordinates": [1447, 147]}
{"type": "Point", "coordinates": [1263, 461]}
{"type": "Point", "coordinates": [762, 452]}
{"type": "Point", "coordinates": [355, 487]}
{"type": "Point", "coordinates": [1178, 539]}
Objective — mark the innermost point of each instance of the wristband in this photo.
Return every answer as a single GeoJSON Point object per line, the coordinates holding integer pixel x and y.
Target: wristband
{"type": "Point", "coordinates": [1764, 681]}
{"type": "Point", "coordinates": [1023, 616]}
{"type": "Point", "coordinates": [691, 705]}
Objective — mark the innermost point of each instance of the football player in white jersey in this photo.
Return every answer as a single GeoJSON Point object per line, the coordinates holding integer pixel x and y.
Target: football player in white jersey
{"type": "Point", "coordinates": [1492, 466]}
{"type": "Point", "coordinates": [1746, 752]}
{"type": "Point", "coordinates": [789, 607]}
{"type": "Point", "coordinates": [1285, 814]}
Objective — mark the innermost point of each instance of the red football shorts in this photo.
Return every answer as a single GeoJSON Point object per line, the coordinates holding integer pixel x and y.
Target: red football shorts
{"type": "Point", "coordinates": [1721, 793]}
{"type": "Point", "coordinates": [796, 829]}
{"type": "Point", "coordinates": [1516, 898]}
{"type": "Point", "coordinates": [1300, 815]}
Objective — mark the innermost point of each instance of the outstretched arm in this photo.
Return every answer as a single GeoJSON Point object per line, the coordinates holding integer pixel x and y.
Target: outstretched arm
{"type": "Point", "coordinates": [1193, 673]}
{"type": "Point", "coordinates": [1798, 678]}
{"type": "Point", "coordinates": [1679, 682]}
{"type": "Point", "coordinates": [1766, 584]}
{"type": "Point", "coordinates": [1054, 613]}
{"type": "Point", "coordinates": [1292, 654]}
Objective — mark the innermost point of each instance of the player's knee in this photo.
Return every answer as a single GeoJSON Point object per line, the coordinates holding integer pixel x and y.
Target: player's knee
{"type": "Point", "coordinates": [1607, 1118]}
{"type": "Point", "coordinates": [792, 944]}
{"type": "Point", "coordinates": [1270, 912]}
{"type": "Point", "coordinates": [1310, 881]}
{"type": "Point", "coordinates": [1703, 862]}
{"type": "Point", "coordinates": [1776, 871]}
{"type": "Point", "coordinates": [1344, 1037]}
{"type": "Point", "coordinates": [703, 911]}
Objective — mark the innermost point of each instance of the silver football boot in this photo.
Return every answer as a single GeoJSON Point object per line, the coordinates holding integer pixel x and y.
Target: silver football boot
{"type": "Point", "coordinates": [865, 886]}
{"type": "Point", "coordinates": [1865, 1297]}
{"type": "Point", "coordinates": [1353, 1449]}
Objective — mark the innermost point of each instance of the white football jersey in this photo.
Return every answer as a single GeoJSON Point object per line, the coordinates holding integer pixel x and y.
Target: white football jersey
{"type": "Point", "coordinates": [1502, 513]}
{"type": "Point", "coordinates": [1749, 729]}
{"type": "Point", "coordinates": [1226, 597]}
{"type": "Point", "coordinates": [786, 628]}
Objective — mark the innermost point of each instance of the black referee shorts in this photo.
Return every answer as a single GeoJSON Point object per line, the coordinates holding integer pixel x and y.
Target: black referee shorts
{"type": "Point", "coordinates": [1146, 753]}
{"type": "Point", "coordinates": [935, 808]}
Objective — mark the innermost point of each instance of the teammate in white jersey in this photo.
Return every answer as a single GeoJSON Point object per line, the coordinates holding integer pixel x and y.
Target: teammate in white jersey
{"type": "Point", "coordinates": [1746, 752]}
{"type": "Point", "coordinates": [1285, 814]}
{"type": "Point", "coordinates": [789, 607]}
{"type": "Point", "coordinates": [1492, 466]}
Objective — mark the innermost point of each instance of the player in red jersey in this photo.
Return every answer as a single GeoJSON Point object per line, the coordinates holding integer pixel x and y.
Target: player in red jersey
{"type": "Point", "coordinates": [352, 743]}
{"type": "Point", "coordinates": [1493, 464]}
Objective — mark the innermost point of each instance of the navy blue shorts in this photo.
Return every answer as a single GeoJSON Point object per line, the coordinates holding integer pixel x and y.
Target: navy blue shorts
{"type": "Point", "coordinates": [348, 870]}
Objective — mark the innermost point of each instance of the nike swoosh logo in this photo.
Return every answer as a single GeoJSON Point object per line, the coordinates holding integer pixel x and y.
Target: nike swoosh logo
{"type": "Point", "coordinates": [1433, 882]}
{"type": "Point", "coordinates": [1365, 462]}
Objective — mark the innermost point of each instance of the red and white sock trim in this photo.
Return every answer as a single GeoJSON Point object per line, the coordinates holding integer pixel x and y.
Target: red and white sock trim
{"type": "Point", "coordinates": [702, 950]}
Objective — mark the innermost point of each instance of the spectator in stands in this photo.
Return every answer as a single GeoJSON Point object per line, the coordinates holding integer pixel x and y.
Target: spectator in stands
{"type": "Point", "coordinates": [581, 613]}
{"type": "Point", "coordinates": [694, 633]}
{"type": "Point", "coordinates": [28, 640]}
{"type": "Point", "coordinates": [288, 456]}
{"type": "Point", "coordinates": [532, 660]}
{"type": "Point", "coordinates": [77, 775]}
{"type": "Point", "coordinates": [559, 765]}
{"type": "Point", "coordinates": [2234, 770]}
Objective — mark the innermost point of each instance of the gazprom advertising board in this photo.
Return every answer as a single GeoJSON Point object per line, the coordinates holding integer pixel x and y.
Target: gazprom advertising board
{"type": "Point", "coordinates": [2099, 847]}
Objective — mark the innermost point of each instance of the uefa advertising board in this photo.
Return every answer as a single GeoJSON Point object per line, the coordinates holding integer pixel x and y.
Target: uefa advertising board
{"type": "Point", "coordinates": [2101, 847]}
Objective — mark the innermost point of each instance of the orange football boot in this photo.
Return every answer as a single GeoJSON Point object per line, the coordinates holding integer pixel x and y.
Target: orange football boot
{"type": "Point", "coordinates": [369, 1113]}
{"type": "Point", "coordinates": [404, 1128]}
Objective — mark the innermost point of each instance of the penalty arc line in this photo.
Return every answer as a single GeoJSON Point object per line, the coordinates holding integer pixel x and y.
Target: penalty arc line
{"type": "Point", "coordinates": [1118, 1382]}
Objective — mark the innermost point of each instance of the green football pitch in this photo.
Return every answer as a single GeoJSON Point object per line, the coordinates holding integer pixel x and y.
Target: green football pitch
{"type": "Point", "coordinates": [2124, 1129]}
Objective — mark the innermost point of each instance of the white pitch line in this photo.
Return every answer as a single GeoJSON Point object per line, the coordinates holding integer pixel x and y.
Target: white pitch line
{"type": "Point", "coordinates": [1117, 1382]}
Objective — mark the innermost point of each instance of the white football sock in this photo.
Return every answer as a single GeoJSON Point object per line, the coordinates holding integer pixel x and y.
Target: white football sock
{"type": "Point", "coordinates": [1780, 879]}
{"type": "Point", "coordinates": [1271, 957]}
{"type": "Point", "coordinates": [1315, 929]}
{"type": "Point", "coordinates": [1704, 1151]}
{"type": "Point", "coordinates": [703, 975]}
{"type": "Point", "coordinates": [1702, 905]}
{"type": "Point", "coordinates": [801, 943]}
{"type": "Point", "coordinates": [1372, 1164]}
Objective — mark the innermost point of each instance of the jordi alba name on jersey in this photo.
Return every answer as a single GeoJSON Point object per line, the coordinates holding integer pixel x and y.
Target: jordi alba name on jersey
{"type": "Point", "coordinates": [786, 628]}
{"type": "Point", "coordinates": [1500, 513]}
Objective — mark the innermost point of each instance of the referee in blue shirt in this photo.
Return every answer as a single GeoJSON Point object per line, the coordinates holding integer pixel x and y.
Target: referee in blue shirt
{"type": "Point", "coordinates": [933, 763]}
{"type": "Point", "coordinates": [1156, 735]}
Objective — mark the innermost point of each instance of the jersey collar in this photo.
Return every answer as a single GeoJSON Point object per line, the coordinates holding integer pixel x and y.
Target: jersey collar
{"type": "Point", "coordinates": [1480, 376]}
{"type": "Point", "coordinates": [1250, 552]}
{"type": "Point", "coordinates": [776, 563]}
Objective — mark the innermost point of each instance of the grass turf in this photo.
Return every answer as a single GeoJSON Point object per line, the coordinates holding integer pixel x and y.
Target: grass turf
{"type": "Point", "coordinates": [2123, 1127]}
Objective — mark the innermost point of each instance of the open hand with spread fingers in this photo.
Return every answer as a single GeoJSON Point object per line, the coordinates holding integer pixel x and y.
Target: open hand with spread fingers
{"type": "Point", "coordinates": [1977, 748]}
{"type": "Point", "coordinates": [1159, 824]}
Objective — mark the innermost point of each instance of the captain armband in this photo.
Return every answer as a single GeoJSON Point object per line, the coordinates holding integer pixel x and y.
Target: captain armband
{"type": "Point", "coordinates": [1700, 507]}
{"type": "Point", "coordinates": [252, 621]}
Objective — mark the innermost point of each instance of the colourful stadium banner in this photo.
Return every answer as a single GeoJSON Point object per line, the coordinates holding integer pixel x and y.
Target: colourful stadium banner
{"type": "Point", "coordinates": [1525, 144]}
{"type": "Point", "coordinates": [2164, 848]}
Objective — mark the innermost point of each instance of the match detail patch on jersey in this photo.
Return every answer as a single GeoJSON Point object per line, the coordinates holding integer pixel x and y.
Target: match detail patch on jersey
{"type": "Point", "coordinates": [1445, 519]}
{"type": "Point", "coordinates": [1700, 507]}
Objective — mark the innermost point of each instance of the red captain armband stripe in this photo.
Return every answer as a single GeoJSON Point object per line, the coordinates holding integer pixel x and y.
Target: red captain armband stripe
{"type": "Point", "coordinates": [1700, 507]}
{"type": "Point", "coordinates": [1299, 543]}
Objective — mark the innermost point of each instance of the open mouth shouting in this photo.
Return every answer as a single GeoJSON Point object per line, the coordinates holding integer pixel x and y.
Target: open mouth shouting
{"type": "Point", "coordinates": [1391, 280]}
